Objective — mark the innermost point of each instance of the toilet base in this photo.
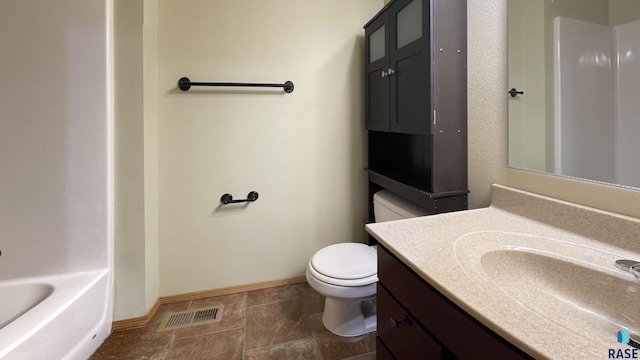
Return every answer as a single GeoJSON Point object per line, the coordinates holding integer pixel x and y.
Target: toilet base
{"type": "Point", "coordinates": [349, 318]}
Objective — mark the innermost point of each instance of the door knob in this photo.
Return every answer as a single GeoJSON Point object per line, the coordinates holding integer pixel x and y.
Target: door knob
{"type": "Point", "coordinates": [390, 71]}
{"type": "Point", "coordinates": [384, 73]}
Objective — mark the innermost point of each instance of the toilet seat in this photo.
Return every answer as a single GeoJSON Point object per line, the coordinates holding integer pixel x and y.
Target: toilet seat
{"type": "Point", "coordinates": [345, 264]}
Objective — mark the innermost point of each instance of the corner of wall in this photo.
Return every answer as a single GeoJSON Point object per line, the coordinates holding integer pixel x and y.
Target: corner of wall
{"type": "Point", "coordinates": [487, 104]}
{"type": "Point", "coordinates": [150, 139]}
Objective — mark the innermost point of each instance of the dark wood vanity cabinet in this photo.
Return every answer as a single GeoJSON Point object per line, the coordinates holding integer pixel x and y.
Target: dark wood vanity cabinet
{"type": "Point", "coordinates": [415, 321]}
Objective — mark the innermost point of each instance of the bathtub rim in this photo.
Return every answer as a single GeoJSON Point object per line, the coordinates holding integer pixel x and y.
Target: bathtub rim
{"type": "Point", "coordinates": [68, 288]}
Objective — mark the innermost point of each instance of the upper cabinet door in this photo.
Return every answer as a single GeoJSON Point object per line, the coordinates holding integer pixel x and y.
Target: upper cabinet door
{"type": "Point", "coordinates": [397, 70]}
{"type": "Point", "coordinates": [377, 79]}
{"type": "Point", "coordinates": [410, 67]}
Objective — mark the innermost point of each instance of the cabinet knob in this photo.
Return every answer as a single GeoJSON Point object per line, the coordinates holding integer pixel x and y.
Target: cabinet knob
{"type": "Point", "coordinates": [396, 322]}
{"type": "Point", "coordinates": [384, 73]}
{"type": "Point", "coordinates": [390, 71]}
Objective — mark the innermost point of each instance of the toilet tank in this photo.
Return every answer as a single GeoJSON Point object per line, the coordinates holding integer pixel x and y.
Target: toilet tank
{"type": "Point", "coordinates": [388, 206]}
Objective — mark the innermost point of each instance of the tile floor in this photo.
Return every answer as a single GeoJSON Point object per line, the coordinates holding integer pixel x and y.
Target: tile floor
{"type": "Point", "coordinates": [278, 323]}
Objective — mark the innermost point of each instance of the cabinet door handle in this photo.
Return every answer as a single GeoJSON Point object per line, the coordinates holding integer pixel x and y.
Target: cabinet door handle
{"type": "Point", "coordinates": [397, 322]}
{"type": "Point", "coordinates": [384, 73]}
{"type": "Point", "coordinates": [390, 71]}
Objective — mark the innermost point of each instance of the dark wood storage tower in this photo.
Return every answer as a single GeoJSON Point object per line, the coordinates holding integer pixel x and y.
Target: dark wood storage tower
{"type": "Point", "coordinates": [416, 102]}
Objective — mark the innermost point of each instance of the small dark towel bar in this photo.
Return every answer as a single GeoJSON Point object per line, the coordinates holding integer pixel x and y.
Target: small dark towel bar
{"type": "Point", "coordinates": [228, 198]}
{"type": "Point", "coordinates": [185, 84]}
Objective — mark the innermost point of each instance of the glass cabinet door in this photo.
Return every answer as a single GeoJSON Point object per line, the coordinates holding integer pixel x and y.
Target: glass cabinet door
{"type": "Point", "coordinates": [377, 46]}
{"type": "Point", "coordinates": [377, 79]}
{"type": "Point", "coordinates": [409, 24]}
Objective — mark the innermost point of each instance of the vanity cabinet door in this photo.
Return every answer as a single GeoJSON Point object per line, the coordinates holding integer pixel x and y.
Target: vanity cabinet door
{"type": "Point", "coordinates": [401, 333]}
{"type": "Point", "coordinates": [460, 333]}
{"type": "Point", "coordinates": [381, 351]}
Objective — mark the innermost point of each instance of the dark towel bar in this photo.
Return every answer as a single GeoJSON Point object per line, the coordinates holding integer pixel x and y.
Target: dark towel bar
{"type": "Point", "coordinates": [185, 84]}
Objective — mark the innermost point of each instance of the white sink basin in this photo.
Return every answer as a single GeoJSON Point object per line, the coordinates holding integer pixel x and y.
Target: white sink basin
{"type": "Point", "coordinates": [574, 286]}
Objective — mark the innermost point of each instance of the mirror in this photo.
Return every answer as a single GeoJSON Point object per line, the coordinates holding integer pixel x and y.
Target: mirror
{"type": "Point", "coordinates": [577, 64]}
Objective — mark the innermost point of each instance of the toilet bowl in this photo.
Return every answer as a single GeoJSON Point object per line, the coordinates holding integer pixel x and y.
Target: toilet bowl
{"type": "Point", "coordinates": [347, 273]}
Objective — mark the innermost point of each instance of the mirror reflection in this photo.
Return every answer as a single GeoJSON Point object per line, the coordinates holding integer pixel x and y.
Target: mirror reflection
{"type": "Point", "coordinates": [577, 64]}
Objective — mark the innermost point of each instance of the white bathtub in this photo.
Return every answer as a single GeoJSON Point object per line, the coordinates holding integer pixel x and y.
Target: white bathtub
{"type": "Point", "coordinates": [54, 317]}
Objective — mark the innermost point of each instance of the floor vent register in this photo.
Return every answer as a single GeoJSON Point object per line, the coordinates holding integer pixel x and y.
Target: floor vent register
{"type": "Point", "coordinates": [195, 317]}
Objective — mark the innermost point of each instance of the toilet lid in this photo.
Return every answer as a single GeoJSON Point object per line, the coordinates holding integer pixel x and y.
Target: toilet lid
{"type": "Point", "coordinates": [346, 261]}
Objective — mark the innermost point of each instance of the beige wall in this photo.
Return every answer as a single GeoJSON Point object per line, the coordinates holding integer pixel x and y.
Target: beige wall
{"type": "Point", "coordinates": [129, 160]}
{"type": "Point", "coordinates": [136, 224]}
{"type": "Point", "coordinates": [595, 11]}
{"type": "Point", "coordinates": [526, 57]}
{"type": "Point", "coordinates": [623, 11]}
{"type": "Point", "coordinates": [303, 152]}
{"type": "Point", "coordinates": [150, 120]}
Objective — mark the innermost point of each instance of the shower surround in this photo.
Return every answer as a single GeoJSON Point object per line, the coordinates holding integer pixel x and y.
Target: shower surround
{"type": "Point", "coordinates": [597, 71]}
{"type": "Point", "coordinates": [56, 186]}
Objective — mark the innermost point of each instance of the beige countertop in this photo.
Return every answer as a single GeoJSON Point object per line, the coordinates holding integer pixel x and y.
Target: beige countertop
{"type": "Point", "coordinates": [445, 250]}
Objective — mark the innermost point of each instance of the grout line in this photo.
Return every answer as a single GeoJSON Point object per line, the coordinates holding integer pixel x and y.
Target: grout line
{"type": "Point", "coordinates": [307, 319]}
{"type": "Point", "coordinates": [297, 296]}
{"type": "Point", "coordinates": [313, 334]}
{"type": "Point", "coordinates": [244, 329]}
{"type": "Point", "coordinates": [173, 343]}
{"type": "Point", "coordinates": [356, 357]}
{"type": "Point", "coordinates": [271, 303]}
{"type": "Point", "coordinates": [210, 332]}
{"type": "Point", "coordinates": [284, 343]}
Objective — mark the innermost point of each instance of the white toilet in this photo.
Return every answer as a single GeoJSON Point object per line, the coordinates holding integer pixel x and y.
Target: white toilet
{"type": "Point", "coordinates": [347, 273]}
